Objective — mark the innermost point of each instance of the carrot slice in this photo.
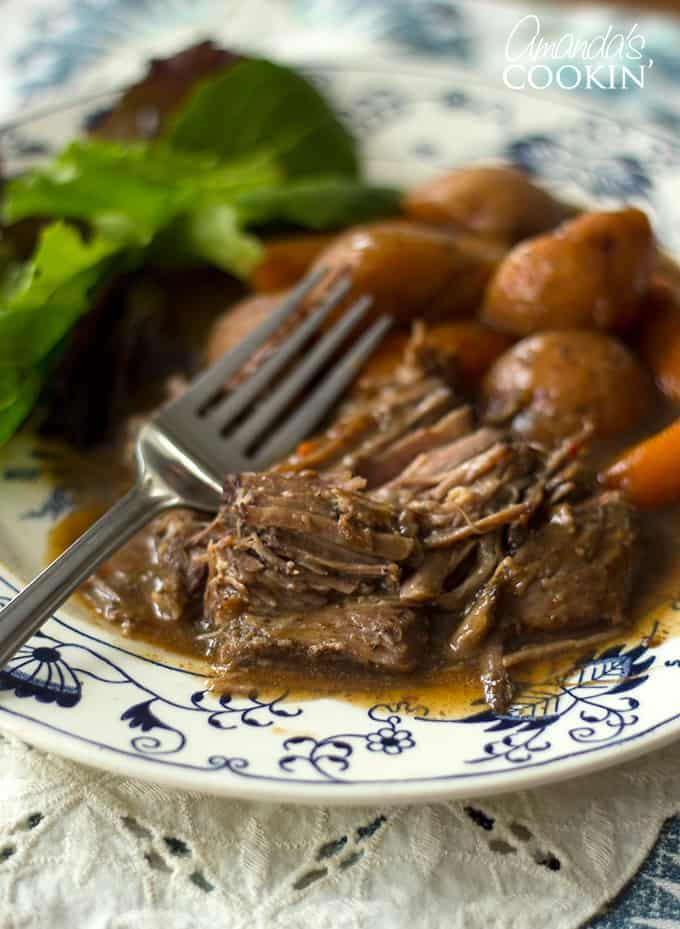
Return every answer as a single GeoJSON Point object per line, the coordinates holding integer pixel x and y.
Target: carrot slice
{"type": "Point", "coordinates": [649, 473]}
{"type": "Point", "coordinates": [473, 345]}
{"type": "Point", "coordinates": [387, 356]}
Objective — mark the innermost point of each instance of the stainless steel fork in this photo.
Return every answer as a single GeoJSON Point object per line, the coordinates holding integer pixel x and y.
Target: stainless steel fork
{"type": "Point", "coordinates": [183, 452]}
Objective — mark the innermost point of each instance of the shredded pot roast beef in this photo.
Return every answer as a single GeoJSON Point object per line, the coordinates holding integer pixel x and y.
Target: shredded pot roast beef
{"type": "Point", "coordinates": [408, 536]}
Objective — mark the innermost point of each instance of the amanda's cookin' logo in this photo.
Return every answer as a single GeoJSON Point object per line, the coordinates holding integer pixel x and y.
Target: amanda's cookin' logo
{"type": "Point", "coordinates": [607, 61]}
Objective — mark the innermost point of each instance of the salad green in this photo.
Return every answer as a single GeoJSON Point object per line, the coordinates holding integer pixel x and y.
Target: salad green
{"type": "Point", "coordinates": [316, 202]}
{"type": "Point", "coordinates": [130, 192]}
{"type": "Point", "coordinates": [259, 106]}
{"type": "Point", "coordinates": [254, 145]}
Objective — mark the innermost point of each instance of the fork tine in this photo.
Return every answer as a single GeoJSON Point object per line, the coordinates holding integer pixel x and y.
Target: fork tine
{"type": "Point", "coordinates": [313, 409]}
{"type": "Point", "coordinates": [237, 400]}
{"type": "Point", "coordinates": [205, 386]}
{"type": "Point", "coordinates": [265, 415]}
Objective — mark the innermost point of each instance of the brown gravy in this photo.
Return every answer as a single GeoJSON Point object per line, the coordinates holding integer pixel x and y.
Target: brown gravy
{"type": "Point", "coordinates": [443, 692]}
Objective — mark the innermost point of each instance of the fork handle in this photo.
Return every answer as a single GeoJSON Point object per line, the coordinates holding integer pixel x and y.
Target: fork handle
{"type": "Point", "coordinates": [36, 602]}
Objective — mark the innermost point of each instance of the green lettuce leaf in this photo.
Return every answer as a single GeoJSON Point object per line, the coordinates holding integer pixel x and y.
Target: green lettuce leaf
{"type": "Point", "coordinates": [211, 233]}
{"type": "Point", "coordinates": [131, 193]}
{"type": "Point", "coordinates": [19, 392]}
{"type": "Point", "coordinates": [317, 202]}
{"type": "Point", "coordinates": [189, 207]}
{"type": "Point", "coordinates": [42, 298]}
{"type": "Point", "coordinates": [265, 109]}
{"type": "Point", "coordinates": [40, 301]}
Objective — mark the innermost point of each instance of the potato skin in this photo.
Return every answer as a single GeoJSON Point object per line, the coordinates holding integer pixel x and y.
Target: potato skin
{"type": "Point", "coordinates": [490, 201]}
{"type": "Point", "coordinates": [237, 322]}
{"type": "Point", "coordinates": [286, 260]}
{"type": "Point", "coordinates": [411, 270]}
{"type": "Point", "coordinates": [591, 273]}
{"type": "Point", "coordinates": [550, 385]}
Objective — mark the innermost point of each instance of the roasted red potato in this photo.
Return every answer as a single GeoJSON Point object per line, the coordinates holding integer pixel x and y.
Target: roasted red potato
{"type": "Point", "coordinates": [494, 202]}
{"type": "Point", "coordinates": [591, 273]}
{"type": "Point", "coordinates": [238, 322]}
{"type": "Point", "coordinates": [412, 270]}
{"type": "Point", "coordinates": [286, 260]}
{"type": "Point", "coordinates": [551, 385]}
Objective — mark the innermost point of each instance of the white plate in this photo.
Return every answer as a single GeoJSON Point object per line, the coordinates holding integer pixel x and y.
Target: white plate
{"type": "Point", "coordinates": [81, 690]}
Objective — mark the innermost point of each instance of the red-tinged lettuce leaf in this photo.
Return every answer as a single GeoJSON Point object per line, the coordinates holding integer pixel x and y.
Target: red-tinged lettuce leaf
{"type": "Point", "coordinates": [143, 109]}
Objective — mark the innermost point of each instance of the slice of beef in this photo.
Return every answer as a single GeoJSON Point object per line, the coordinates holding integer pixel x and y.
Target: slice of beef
{"type": "Point", "coordinates": [464, 513]}
{"type": "Point", "coordinates": [374, 429]}
{"type": "Point", "coordinates": [296, 542]}
{"type": "Point", "coordinates": [435, 538]}
{"type": "Point", "coordinates": [427, 582]}
{"type": "Point", "coordinates": [412, 407]}
{"type": "Point", "coordinates": [381, 464]}
{"type": "Point", "coordinates": [479, 619]}
{"type": "Point", "coordinates": [368, 431]}
{"type": "Point", "coordinates": [571, 578]}
{"type": "Point", "coordinates": [317, 509]}
{"type": "Point", "coordinates": [177, 547]}
{"type": "Point", "coordinates": [427, 470]}
{"type": "Point", "coordinates": [302, 568]}
{"type": "Point", "coordinates": [574, 572]}
{"type": "Point", "coordinates": [158, 576]}
{"type": "Point", "coordinates": [372, 633]}
{"type": "Point", "coordinates": [482, 558]}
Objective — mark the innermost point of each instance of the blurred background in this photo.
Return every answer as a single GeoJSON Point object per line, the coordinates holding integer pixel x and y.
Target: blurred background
{"type": "Point", "coordinates": [57, 49]}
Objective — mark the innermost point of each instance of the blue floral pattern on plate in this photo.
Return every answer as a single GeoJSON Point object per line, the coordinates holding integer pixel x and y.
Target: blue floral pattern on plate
{"type": "Point", "coordinates": [584, 695]}
{"type": "Point", "coordinates": [40, 672]}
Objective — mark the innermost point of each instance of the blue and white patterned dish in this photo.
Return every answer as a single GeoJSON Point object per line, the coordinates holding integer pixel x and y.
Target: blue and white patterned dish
{"type": "Point", "coordinates": [81, 690]}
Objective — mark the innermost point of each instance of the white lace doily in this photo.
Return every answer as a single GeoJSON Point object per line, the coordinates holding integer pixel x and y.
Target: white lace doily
{"type": "Point", "coordinates": [81, 848]}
